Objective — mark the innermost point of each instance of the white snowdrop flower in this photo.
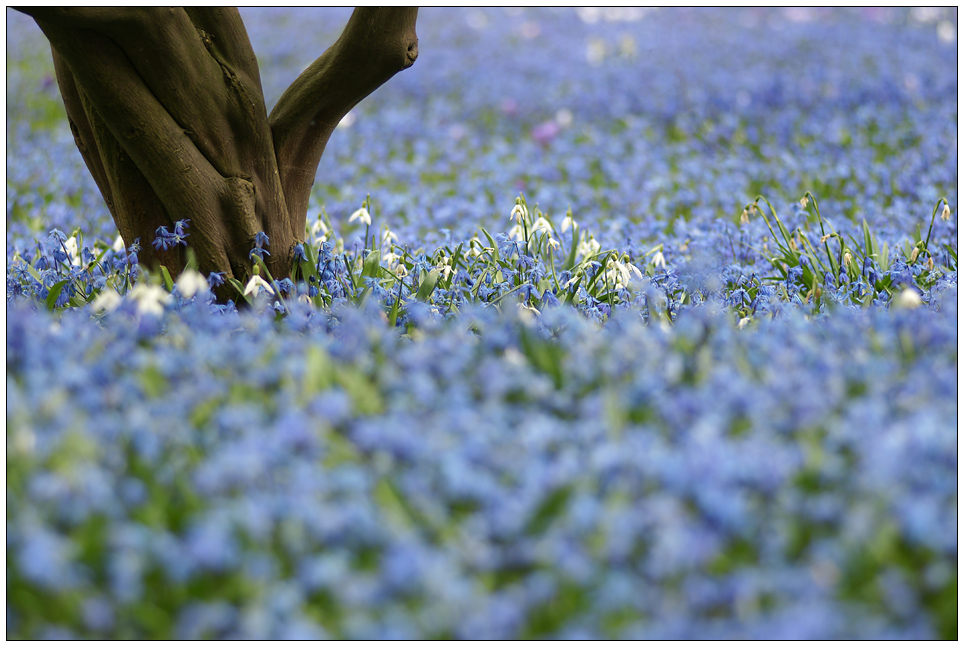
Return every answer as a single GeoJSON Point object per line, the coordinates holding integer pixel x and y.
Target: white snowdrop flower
{"type": "Point", "coordinates": [552, 242]}
{"type": "Point", "coordinates": [587, 247]}
{"type": "Point", "coordinates": [256, 284]}
{"type": "Point", "coordinates": [621, 273]}
{"type": "Point", "coordinates": [389, 237]}
{"type": "Point", "coordinates": [71, 246]}
{"type": "Point", "coordinates": [743, 322]}
{"type": "Point", "coordinates": [518, 213]}
{"type": "Point", "coordinates": [445, 267]}
{"type": "Point", "coordinates": [106, 301]}
{"type": "Point", "coordinates": [475, 248]}
{"type": "Point", "coordinates": [361, 215]}
{"type": "Point", "coordinates": [190, 283]}
{"type": "Point", "coordinates": [319, 228]}
{"type": "Point", "coordinates": [633, 270]}
{"type": "Point", "coordinates": [564, 117]}
{"type": "Point", "coordinates": [119, 245]}
{"type": "Point", "coordinates": [304, 298]}
{"type": "Point", "coordinates": [541, 224]}
{"type": "Point", "coordinates": [516, 232]}
{"type": "Point", "coordinates": [567, 224]}
{"type": "Point", "coordinates": [658, 259]}
{"type": "Point", "coordinates": [150, 299]}
{"type": "Point", "coordinates": [946, 212]}
{"type": "Point", "coordinates": [908, 299]}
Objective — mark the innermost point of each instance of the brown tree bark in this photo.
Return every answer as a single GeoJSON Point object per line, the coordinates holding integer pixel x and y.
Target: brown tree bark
{"type": "Point", "coordinates": [167, 110]}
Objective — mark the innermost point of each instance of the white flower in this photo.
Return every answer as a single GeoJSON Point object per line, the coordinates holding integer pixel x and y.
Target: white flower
{"type": "Point", "coordinates": [475, 248]}
{"type": "Point", "coordinates": [119, 245]}
{"type": "Point", "coordinates": [319, 228]}
{"type": "Point", "coordinates": [71, 246]}
{"type": "Point", "coordinates": [389, 237]}
{"type": "Point", "coordinates": [552, 242]}
{"type": "Point", "coordinates": [946, 212]}
{"type": "Point", "coordinates": [621, 273]}
{"type": "Point", "coordinates": [256, 284]}
{"type": "Point", "coordinates": [362, 215]}
{"type": "Point", "coordinates": [658, 259]}
{"type": "Point", "coordinates": [106, 301]}
{"type": "Point", "coordinates": [908, 299]}
{"type": "Point", "coordinates": [541, 224]}
{"type": "Point", "coordinates": [567, 224]}
{"type": "Point", "coordinates": [518, 212]}
{"type": "Point", "coordinates": [444, 267]}
{"type": "Point", "coordinates": [150, 299]}
{"type": "Point", "coordinates": [190, 283]}
{"type": "Point", "coordinates": [587, 247]}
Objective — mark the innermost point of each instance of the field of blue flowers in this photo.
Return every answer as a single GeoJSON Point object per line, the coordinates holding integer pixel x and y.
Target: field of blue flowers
{"type": "Point", "coordinates": [609, 323]}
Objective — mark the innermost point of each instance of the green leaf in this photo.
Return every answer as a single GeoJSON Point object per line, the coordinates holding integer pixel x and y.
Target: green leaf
{"type": "Point", "coordinates": [571, 260]}
{"type": "Point", "coordinates": [240, 288]}
{"type": "Point", "coordinates": [427, 286]}
{"type": "Point", "coordinates": [869, 241]}
{"type": "Point", "coordinates": [168, 281]}
{"type": "Point", "coordinates": [372, 266]}
{"type": "Point", "coordinates": [54, 294]}
{"type": "Point", "coordinates": [32, 271]}
{"type": "Point", "coordinates": [478, 283]}
{"type": "Point", "coordinates": [491, 240]}
{"type": "Point", "coordinates": [191, 263]}
{"type": "Point", "coordinates": [548, 511]}
{"type": "Point", "coordinates": [393, 313]}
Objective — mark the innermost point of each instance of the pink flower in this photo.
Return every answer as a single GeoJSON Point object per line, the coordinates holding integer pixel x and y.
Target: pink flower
{"type": "Point", "coordinates": [545, 132]}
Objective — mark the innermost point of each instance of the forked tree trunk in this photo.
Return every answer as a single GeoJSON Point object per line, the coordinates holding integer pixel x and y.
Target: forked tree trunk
{"type": "Point", "coordinates": [166, 107]}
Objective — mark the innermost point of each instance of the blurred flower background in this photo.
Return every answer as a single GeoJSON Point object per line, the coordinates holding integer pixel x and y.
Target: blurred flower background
{"type": "Point", "coordinates": [609, 323]}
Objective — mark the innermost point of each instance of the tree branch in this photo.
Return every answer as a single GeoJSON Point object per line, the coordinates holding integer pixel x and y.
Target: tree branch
{"type": "Point", "coordinates": [377, 43]}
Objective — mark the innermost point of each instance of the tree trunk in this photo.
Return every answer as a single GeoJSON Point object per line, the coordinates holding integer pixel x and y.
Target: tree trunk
{"type": "Point", "coordinates": [166, 107]}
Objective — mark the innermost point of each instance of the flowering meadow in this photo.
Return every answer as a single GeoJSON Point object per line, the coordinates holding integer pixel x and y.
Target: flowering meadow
{"type": "Point", "coordinates": [609, 323]}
